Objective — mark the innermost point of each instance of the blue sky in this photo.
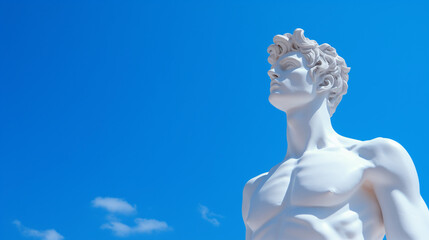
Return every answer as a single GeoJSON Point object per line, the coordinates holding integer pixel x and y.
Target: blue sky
{"type": "Point", "coordinates": [154, 114]}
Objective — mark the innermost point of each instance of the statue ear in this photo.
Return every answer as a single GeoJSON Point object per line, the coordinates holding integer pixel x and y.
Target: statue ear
{"type": "Point", "coordinates": [326, 84]}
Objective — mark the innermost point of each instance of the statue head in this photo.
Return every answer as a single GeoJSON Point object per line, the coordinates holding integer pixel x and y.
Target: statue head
{"type": "Point", "coordinates": [302, 70]}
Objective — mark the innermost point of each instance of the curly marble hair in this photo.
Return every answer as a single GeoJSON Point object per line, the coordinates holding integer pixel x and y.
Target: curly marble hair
{"type": "Point", "coordinates": [327, 69]}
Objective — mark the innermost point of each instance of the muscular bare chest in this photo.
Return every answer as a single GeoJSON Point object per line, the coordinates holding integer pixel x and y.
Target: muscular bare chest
{"type": "Point", "coordinates": [321, 179]}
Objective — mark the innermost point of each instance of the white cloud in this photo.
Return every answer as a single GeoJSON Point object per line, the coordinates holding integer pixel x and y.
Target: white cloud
{"type": "Point", "coordinates": [142, 226]}
{"type": "Point", "coordinates": [208, 215]}
{"type": "Point", "coordinates": [118, 228]}
{"type": "Point", "coordinates": [49, 234]}
{"type": "Point", "coordinates": [114, 205]}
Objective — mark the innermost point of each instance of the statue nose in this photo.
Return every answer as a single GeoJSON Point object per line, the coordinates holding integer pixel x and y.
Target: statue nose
{"type": "Point", "coordinates": [272, 74]}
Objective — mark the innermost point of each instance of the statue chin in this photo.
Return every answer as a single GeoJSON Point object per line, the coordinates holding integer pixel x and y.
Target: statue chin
{"type": "Point", "coordinates": [289, 102]}
{"type": "Point", "coordinates": [277, 101]}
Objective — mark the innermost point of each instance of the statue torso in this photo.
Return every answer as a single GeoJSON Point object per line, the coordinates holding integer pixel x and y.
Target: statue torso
{"type": "Point", "coordinates": [322, 195]}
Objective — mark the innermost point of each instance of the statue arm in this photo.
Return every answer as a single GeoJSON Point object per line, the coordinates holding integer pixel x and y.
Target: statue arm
{"type": "Point", "coordinates": [396, 186]}
{"type": "Point", "coordinates": [248, 190]}
{"type": "Point", "coordinates": [249, 233]}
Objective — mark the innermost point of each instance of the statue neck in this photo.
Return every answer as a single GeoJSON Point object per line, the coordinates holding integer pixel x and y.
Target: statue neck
{"type": "Point", "coordinates": [309, 128]}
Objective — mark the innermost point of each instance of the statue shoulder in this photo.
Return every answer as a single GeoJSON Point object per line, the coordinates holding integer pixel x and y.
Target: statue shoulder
{"type": "Point", "coordinates": [248, 190]}
{"type": "Point", "coordinates": [252, 184]}
{"type": "Point", "coordinates": [391, 162]}
{"type": "Point", "coordinates": [382, 150]}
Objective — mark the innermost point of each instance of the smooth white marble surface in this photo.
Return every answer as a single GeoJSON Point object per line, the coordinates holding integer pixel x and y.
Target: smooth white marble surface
{"type": "Point", "coordinates": [328, 186]}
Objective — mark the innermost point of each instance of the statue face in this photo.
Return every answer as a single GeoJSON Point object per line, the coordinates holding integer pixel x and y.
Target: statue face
{"type": "Point", "coordinates": [291, 84]}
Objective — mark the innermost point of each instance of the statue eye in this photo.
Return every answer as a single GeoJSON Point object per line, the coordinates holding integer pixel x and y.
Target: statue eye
{"type": "Point", "coordinates": [289, 65]}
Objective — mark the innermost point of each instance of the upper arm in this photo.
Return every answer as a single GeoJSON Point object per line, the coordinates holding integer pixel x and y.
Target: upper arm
{"type": "Point", "coordinates": [248, 190]}
{"type": "Point", "coordinates": [396, 186]}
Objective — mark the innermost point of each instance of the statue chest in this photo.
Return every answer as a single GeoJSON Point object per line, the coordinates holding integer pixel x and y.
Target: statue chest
{"type": "Point", "coordinates": [327, 179]}
{"type": "Point", "coordinates": [316, 180]}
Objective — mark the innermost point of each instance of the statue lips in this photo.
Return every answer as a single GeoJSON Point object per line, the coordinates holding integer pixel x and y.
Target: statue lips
{"type": "Point", "coordinates": [274, 84]}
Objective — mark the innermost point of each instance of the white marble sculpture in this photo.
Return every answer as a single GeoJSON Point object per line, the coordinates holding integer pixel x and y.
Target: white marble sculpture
{"type": "Point", "coordinates": [328, 187]}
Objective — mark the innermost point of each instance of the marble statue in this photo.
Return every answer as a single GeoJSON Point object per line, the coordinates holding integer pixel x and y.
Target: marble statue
{"type": "Point", "coordinates": [328, 187]}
